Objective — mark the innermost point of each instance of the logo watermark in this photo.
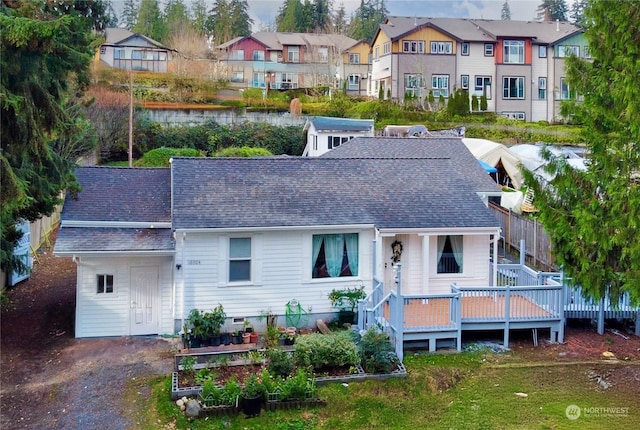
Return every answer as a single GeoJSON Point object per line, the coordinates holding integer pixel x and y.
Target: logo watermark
{"type": "Point", "coordinates": [573, 412]}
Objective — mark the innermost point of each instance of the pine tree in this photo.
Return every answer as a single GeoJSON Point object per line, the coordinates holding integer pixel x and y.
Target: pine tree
{"type": "Point", "coordinates": [552, 10]}
{"type": "Point", "coordinates": [176, 16]}
{"type": "Point", "coordinates": [199, 16]}
{"type": "Point", "coordinates": [506, 11]}
{"type": "Point", "coordinates": [367, 19]}
{"type": "Point", "coordinates": [129, 15]}
{"type": "Point", "coordinates": [149, 22]}
{"type": "Point", "coordinates": [577, 12]}
{"type": "Point", "coordinates": [593, 216]}
{"type": "Point", "coordinates": [291, 16]}
{"type": "Point", "coordinates": [340, 24]}
{"type": "Point", "coordinates": [240, 20]}
{"type": "Point", "coordinates": [219, 22]}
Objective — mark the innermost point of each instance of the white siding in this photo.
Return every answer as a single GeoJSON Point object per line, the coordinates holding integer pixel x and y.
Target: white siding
{"type": "Point", "coordinates": [540, 108]}
{"type": "Point", "coordinates": [281, 271]}
{"type": "Point", "coordinates": [109, 314]}
{"type": "Point", "coordinates": [476, 64]}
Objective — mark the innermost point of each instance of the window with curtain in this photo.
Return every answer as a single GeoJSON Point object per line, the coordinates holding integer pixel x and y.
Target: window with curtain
{"type": "Point", "coordinates": [449, 254]}
{"type": "Point", "coordinates": [335, 255]}
{"type": "Point", "coordinates": [239, 259]}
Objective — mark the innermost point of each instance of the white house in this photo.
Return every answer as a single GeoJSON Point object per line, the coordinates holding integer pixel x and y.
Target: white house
{"type": "Point", "coordinates": [123, 49]}
{"type": "Point", "coordinates": [253, 234]}
{"type": "Point", "coordinates": [325, 133]}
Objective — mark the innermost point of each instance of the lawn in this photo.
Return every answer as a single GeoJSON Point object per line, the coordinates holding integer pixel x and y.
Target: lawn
{"type": "Point", "coordinates": [474, 390]}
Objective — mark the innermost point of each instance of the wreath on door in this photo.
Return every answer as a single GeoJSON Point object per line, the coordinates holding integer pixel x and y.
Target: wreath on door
{"type": "Point", "coordinates": [396, 249]}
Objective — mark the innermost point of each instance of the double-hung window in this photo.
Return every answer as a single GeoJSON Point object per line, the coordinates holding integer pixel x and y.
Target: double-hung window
{"type": "Point", "coordinates": [240, 259]}
{"type": "Point", "coordinates": [258, 55]}
{"type": "Point", "coordinates": [465, 48]}
{"type": "Point", "coordinates": [354, 58]}
{"type": "Point", "coordinates": [386, 48]}
{"type": "Point", "coordinates": [542, 51]}
{"type": "Point", "coordinates": [488, 49]}
{"type": "Point", "coordinates": [293, 54]}
{"type": "Point", "coordinates": [449, 254]}
{"type": "Point", "coordinates": [464, 82]}
{"type": "Point", "coordinates": [513, 87]}
{"type": "Point", "coordinates": [104, 284]}
{"type": "Point", "coordinates": [353, 82]}
{"type": "Point", "coordinates": [335, 255]}
{"type": "Point", "coordinates": [565, 90]}
{"type": "Point", "coordinates": [514, 52]}
{"type": "Point", "coordinates": [237, 54]}
{"type": "Point", "coordinates": [413, 46]}
{"type": "Point", "coordinates": [483, 86]}
{"type": "Point", "coordinates": [440, 85]}
{"type": "Point", "coordinates": [542, 88]}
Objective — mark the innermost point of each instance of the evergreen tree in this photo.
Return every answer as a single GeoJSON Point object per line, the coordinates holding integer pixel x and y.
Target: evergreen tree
{"type": "Point", "coordinates": [321, 16]}
{"type": "Point", "coordinates": [219, 22]}
{"type": "Point", "coordinates": [149, 22]}
{"type": "Point", "coordinates": [176, 16]}
{"type": "Point", "coordinates": [46, 52]}
{"type": "Point", "coordinates": [552, 10]}
{"type": "Point", "coordinates": [240, 20]}
{"type": "Point", "coordinates": [199, 16]}
{"type": "Point", "coordinates": [368, 17]}
{"type": "Point", "coordinates": [593, 216]}
{"type": "Point", "coordinates": [506, 11]}
{"type": "Point", "coordinates": [129, 15]}
{"type": "Point", "coordinates": [577, 12]}
{"type": "Point", "coordinates": [340, 24]}
{"type": "Point", "coordinates": [291, 16]}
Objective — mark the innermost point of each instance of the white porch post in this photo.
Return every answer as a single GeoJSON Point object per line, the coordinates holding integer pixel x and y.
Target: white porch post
{"type": "Point", "coordinates": [399, 319]}
{"type": "Point", "coordinates": [494, 277]}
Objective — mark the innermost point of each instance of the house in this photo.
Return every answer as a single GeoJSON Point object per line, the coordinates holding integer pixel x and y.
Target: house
{"type": "Point", "coordinates": [255, 234]}
{"type": "Point", "coordinates": [353, 71]}
{"type": "Point", "coordinates": [512, 64]}
{"type": "Point", "coordinates": [325, 133]}
{"type": "Point", "coordinates": [281, 61]}
{"type": "Point", "coordinates": [123, 49]}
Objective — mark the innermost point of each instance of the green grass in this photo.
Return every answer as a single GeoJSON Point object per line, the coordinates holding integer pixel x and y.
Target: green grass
{"type": "Point", "coordinates": [441, 391]}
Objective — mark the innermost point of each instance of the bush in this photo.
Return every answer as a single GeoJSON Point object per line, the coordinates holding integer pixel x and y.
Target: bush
{"type": "Point", "coordinates": [279, 362]}
{"type": "Point", "coordinates": [160, 157]}
{"type": "Point", "coordinates": [318, 350]}
{"type": "Point", "coordinates": [211, 395]}
{"type": "Point", "coordinates": [245, 151]}
{"type": "Point", "coordinates": [296, 386]}
{"type": "Point", "coordinates": [376, 352]}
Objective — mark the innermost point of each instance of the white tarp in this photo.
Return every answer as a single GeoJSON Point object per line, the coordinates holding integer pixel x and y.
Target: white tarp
{"type": "Point", "coordinates": [512, 200]}
{"type": "Point", "coordinates": [531, 159]}
{"type": "Point", "coordinates": [494, 153]}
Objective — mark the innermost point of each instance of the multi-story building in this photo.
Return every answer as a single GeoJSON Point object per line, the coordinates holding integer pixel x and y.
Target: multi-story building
{"type": "Point", "coordinates": [123, 49]}
{"type": "Point", "coordinates": [295, 60]}
{"type": "Point", "coordinates": [518, 66]}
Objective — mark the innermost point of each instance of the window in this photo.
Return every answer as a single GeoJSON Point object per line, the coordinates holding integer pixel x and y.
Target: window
{"type": "Point", "coordinates": [258, 55]}
{"type": "Point", "coordinates": [239, 259]}
{"type": "Point", "coordinates": [136, 55]}
{"type": "Point", "coordinates": [565, 90]}
{"type": "Point", "coordinates": [542, 88]}
{"type": "Point", "coordinates": [586, 51]}
{"type": "Point", "coordinates": [449, 254]}
{"type": "Point", "coordinates": [354, 58]}
{"type": "Point", "coordinates": [483, 86]}
{"type": "Point", "coordinates": [465, 48]}
{"type": "Point", "coordinates": [335, 255]}
{"type": "Point", "coordinates": [237, 54]}
{"type": "Point", "coordinates": [353, 82]}
{"type": "Point", "coordinates": [513, 87]}
{"type": "Point", "coordinates": [464, 82]}
{"type": "Point", "coordinates": [293, 54]}
{"type": "Point", "coordinates": [440, 85]}
{"type": "Point", "coordinates": [441, 47]}
{"type": "Point", "coordinates": [237, 76]}
{"type": "Point", "coordinates": [258, 80]}
{"type": "Point", "coordinates": [513, 115]}
{"type": "Point", "coordinates": [514, 51]}
{"type": "Point", "coordinates": [488, 49]}
{"type": "Point", "coordinates": [105, 284]}
{"type": "Point", "coordinates": [542, 51]}
{"type": "Point", "coordinates": [323, 54]}
{"type": "Point", "coordinates": [412, 83]}
{"type": "Point", "coordinates": [377, 54]}
{"type": "Point", "coordinates": [335, 141]}
{"type": "Point", "coordinates": [413, 46]}
{"type": "Point", "coordinates": [162, 56]}
{"type": "Point", "coordinates": [118, 54]}
{"type": "Point", "coordinates": [289, 80]}
{"type": "Point", "coordinates": [567, 50]}
{"type": "Point", "coordinates": [386, 48]}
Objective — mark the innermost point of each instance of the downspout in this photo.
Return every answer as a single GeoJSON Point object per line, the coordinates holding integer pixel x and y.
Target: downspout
{"type": "Point", "coordinates": [184, 237]}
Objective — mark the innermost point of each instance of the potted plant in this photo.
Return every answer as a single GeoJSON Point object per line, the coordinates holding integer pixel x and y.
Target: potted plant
{"type": "Point", "coordinates": [197, 326]}
{"type": "Point", "coordinates": [346, 300]}
{"type": "Point", "coordinates": [213, 322]}
{"type": "Point", "coordinates": [251, 395]}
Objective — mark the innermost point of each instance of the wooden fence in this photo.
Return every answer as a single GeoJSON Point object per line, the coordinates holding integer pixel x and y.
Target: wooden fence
{"type": "Point", "coordinates": [516, 228]}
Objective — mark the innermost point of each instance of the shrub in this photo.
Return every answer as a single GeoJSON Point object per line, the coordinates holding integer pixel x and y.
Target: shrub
{"type": "Point", "coordinates": [296, 386]}
{"type": "Point", "coordinates": [483, 103]}
{"type": "Point", "coordinates": [279, 362]}
{"type": "Point", "coordinates": [211, 395]}
{"type": "Point", "coordinates": [245, 151]}
{"type": "Point", "coordinates": [376, 352]}
{"type": "Point", "coordinates": [231, 391]}
{"type": "Point", "coordinates": [205, 375]}
{"type": "Point", "coordinates": [475, 104]}
{"type": "Point", "coordinates": [319, 350]}
{"type": "Point", "coordinates": [160, 157]}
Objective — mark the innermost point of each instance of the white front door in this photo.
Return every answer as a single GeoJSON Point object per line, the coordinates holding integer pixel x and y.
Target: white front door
{"type": "Point", "coordinates": [144, 300]}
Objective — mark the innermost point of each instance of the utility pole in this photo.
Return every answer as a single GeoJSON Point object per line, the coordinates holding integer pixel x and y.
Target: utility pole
{"type": "Point", "coordinates": [130, 118]}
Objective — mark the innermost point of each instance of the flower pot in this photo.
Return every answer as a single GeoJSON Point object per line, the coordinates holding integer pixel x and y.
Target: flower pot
{"type": "Point", "coordinates": [246, 338]}
{"type": "Point", "coordinates": [252, 406]}
{"type": "Point", "coordinates": [253, 337]}
{"type": "Point", "coordinates": [214, 341]}
{"type": "Point", "coordinates": [195, 342]}
{"type": "Point", "coordinates": [236, 339]}
{"type": "Point", "coordinates": [225, 338]}
{"type": "Point", "coordinates": [346, 317]}
{"type": "Point", "coordinates": [289, 340]}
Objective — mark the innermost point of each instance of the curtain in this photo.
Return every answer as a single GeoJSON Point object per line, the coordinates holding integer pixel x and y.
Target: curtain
{"type": "Point", "coordinates": [317, 244]}
{"type": "Point", "coordinates": [456, 246]}
{"type": "Point", "coordinates": [333, 253]}
{"type": "Point", "coordinates": [352, 252]}
{"type": "Point", "coordinates": [441, 242]}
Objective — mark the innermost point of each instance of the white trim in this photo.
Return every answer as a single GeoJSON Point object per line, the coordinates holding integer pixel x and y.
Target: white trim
{"type": "Point", "coordinates": [115, 224]}
{"type": "Point", "coordinates": [164, 252]}
{"type": "Point", "coordinates": [276, 228]}
{"type": "Point", "coordinates": [439, 231]}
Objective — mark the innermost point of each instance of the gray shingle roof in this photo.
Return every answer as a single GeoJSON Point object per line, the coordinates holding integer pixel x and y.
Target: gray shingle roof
{"type": "Point", "coordinates": [340, 124]}
{"type": "Point", "coordinates": [451, 150]}
{"type": "Point", "coordinates": [77, 240]}
{"type": "Point", "coordinates": [120, 194]}
{"type": "Point", "coordinates": [307, 191]}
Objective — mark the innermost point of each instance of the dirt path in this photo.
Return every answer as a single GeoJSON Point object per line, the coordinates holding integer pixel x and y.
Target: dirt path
{"type": "Point", "coordinates": [50, 380]}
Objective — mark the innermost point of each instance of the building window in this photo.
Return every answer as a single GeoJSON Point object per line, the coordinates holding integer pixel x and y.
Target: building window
{"type": "Point", "coordinates": [118, 54]}
{"type": "Point", "coordinates": [237, 54]}
{"type": "Point", "coordinates": [293, 54]}
{"type": "Point", "coordinates": [488, 49]}
{"type": "Point", "coordinates": [377, 54]}
{"type": "Point", "coordinates": [386, 48]}
{"type": "Point", "coordinates": [465, 48]}
{"type": "Point", "coordinates": [412, 83]}
{"type": "Point", "coordinates": [513, 115]}
{"type": "Point", "coordinates": [565, 90]}
{"type": "Point", "coordinates": [440, 85]}
{"type": "Point", "coordinates": [514, 51]}
{"type": "Point", "coordinates": [239, 259]}
{"type": "Point", "coordinates": [353, 82]}
{"type": "Point", "coordinates": [323, 55]}
{"type": "Point", "coordinates": [441, 47]}
{"type": "Point", "coordinates": [335, 255]}
{"type": "Point", "coordinates": [413, 46]}
{"type": "Point", "coordinates": [542, 88]}
{"type": "Point", "coordinates": [162, 56]}
{"type": "Point", "coordinates": [567, 50]}
{"type": "Point", "coordinates": [450, 254]}
{"type": "Point", "coordinates": [586, 51]}
{"type": "Point", "coordinates": [513, 87]}
{"type": "Point", "coordinates": [237, 76]}
{"type": "Point", "coordinates": [335, 141]}
{"type": "Point", "coordinates": [136, 55]}
{"type": "Point", "coordinates": [104, 284]}
{"type": "Point", "coordinates": [354, 58]}
{"type": "Point", "coordinates": [464, 82]}
{"type": "Point", "coordinates": [483, 86]}
{"type": "Point", "coordinates": [542, 51]}
{"type": "Point", "coordinates": [289, 81]}
{"type": "Point", "coordinates": [258, 55]}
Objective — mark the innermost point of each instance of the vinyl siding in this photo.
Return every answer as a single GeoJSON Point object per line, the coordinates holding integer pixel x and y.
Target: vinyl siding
{"type": "Point", "coordinates": [476, 64]}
